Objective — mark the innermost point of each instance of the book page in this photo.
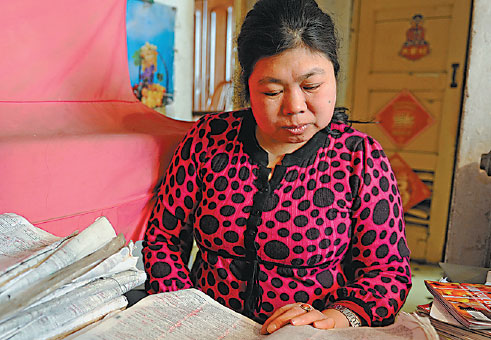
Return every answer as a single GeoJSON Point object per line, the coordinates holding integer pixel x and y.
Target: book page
{"type": "Point", "coordinates": [182, 315]}
{"type": "Point", "coordinates": [406, 327]}
{"type": "Point", "coordinates": [191, 314]}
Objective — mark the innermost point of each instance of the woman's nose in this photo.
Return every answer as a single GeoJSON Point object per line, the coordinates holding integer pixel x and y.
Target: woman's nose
{"type": "Point", "coordinates": [294, 102]}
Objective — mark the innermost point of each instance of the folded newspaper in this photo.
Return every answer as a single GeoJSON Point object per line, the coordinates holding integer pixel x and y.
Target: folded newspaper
{"type": "Point", "coordinates": [52, 286]}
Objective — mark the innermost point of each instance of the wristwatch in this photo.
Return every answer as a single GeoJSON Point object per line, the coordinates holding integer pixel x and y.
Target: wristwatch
{"type": "Point", "coordinates": [353, 319]}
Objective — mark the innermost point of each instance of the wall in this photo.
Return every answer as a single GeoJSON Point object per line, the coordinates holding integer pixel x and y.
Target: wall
{"type": "Point", "coordinates": [182, 107]}
{"type": "Point", "coordinates": [469, 231]}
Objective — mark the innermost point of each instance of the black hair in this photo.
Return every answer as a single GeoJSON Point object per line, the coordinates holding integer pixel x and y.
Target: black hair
{"type": "Point", "coordinates": [274, 26]}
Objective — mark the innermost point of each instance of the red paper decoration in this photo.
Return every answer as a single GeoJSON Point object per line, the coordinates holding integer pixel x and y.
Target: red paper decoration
{"type": "Point", "coordinates": [412, 189]}
{"type": "Point", "coordinates": [403, 118]}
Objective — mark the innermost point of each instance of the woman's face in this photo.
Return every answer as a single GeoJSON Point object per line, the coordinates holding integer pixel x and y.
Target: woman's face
{"type": "Point", "coordinates": [292, 97]}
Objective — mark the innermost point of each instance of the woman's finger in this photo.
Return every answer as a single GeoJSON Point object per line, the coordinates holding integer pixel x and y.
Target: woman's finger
{"type": "Point", "coordinates": [308, 318]}
{"type": "Point", "coordinates": [281, 310]}
{"type": "Point", "coordinates": [326, 323]}
{"type": "Point", "coordinates": [273, 316]}
{"type": "Point", "coordinates": [281, 317]}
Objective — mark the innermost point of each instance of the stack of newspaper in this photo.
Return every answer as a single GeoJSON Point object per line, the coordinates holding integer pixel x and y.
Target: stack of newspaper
{"type": "Point", "coordinates": [52, 286]}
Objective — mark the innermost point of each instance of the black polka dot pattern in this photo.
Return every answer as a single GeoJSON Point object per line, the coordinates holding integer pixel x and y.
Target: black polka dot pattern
{"type": "Point", "coordinates": [328, 225]}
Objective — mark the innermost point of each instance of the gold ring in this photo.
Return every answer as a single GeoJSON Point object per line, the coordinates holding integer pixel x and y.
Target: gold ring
{"type": "Point", "coordinates": [306, 307]}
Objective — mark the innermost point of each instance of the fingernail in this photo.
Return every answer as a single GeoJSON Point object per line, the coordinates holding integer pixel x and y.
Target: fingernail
{"type": "Point", "coordinates": [271, 328]}
{"type": "Point", "coordinates": [293, 322]}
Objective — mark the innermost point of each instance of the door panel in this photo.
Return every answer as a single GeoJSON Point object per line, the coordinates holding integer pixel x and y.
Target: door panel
{"type": "Point", "coordinates": [381, 73]}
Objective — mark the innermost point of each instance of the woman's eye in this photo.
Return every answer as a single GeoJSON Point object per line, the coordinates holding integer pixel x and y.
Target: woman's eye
{"type": "Point", "coordinates": [272, 94]}
{"type": "Point", "coordinates": [311, 87]}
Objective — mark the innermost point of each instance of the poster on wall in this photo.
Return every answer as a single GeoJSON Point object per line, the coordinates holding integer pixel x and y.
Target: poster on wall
{"type": "Point", "coordinates": [415, 47]}
{"type": "Point", "coordinates": [150, 39]}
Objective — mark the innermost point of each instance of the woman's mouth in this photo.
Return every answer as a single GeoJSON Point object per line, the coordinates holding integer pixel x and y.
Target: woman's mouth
{"type": "Point", "coordinates": [297, 129]}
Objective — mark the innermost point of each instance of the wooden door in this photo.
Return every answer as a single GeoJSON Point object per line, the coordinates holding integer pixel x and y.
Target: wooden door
{"type": "Point", "coordinates": [213, 50]}
{"type": "Point", "coordinates": [433, 77]}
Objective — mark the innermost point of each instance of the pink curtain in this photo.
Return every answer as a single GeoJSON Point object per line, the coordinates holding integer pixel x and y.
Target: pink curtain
{"type": "Point", "coordinates": [75, 143]}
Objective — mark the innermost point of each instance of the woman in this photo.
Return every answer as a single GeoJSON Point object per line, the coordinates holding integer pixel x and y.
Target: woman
{"type": "Point", "coordinates": [296, 215]}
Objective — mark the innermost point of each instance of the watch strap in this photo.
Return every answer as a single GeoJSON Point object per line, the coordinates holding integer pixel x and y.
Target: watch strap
{"type": "Point", "coordinates": [353, 319]}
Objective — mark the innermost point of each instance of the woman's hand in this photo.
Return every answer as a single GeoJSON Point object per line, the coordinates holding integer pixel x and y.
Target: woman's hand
{"type": "Point", "coordinates": [299, 314]}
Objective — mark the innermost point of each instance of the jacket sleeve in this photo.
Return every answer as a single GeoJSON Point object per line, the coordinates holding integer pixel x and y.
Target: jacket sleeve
{"type": "Point", "coordinates": [169, 235]}
{"type": "Point", "coordinates": [377, 261]}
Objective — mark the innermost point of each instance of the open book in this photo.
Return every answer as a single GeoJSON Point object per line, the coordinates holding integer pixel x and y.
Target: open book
{"type": "Point", "coordinates": [52, 286]}
{"type": "Point", "coordinates": [191, 314]}
{"type": "Point", "coordinates": [469, 304]}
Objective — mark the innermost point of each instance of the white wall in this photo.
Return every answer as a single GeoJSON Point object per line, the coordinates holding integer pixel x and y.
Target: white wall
{"type": "Point", "coordinates": [183, 59]}
{"type": "Point", "coordinates": [340, 11]}
{"type": "Point", "coordinates": [469, 233]}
